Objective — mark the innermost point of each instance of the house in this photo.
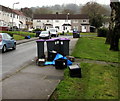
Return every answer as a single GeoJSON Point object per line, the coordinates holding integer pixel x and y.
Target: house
{"type": "Point", "coordinates": [63, 22]}
{"type": "Point", "coordinates": [10, 17]}
{"type": "Point", "coordinates": [5, 15]}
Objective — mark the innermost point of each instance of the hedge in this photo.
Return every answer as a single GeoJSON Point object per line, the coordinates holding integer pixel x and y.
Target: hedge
{"type": "Point", "coordinates": [102, 32]}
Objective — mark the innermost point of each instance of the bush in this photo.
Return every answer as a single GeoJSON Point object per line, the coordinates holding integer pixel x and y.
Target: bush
{"type": "Point", "coordinates": [102, 32]}
{"type": "Point", "coordinates": [10, 33]}
{"type": "Point", "coordinates": [37, 29]}
{"type": "Point", "coordinates": [19, 33]}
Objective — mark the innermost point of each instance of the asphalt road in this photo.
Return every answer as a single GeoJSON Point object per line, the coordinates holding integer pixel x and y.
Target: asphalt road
{"type": "Point", "coordinates": [13, 60]}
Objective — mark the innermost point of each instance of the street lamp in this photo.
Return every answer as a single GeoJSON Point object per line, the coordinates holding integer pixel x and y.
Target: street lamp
{"type": "Point", "coordinates": [13, 14]}
{"type": "Point", "coordinates": [67, 16]}
{"type": "Point", "coordinates": [67, 20]}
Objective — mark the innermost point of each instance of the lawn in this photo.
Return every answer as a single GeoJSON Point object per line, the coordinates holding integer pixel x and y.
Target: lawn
{"type": "Point", "coordinates": [97, 82]}
{"type": "Point", "coordinates": [94, 48]}
{"type": "Point", "coordinates": [88, 33]}
{"type": "Point", "coordinates": [18, 37]}
{"type": "Point", "coordinates": [20, 33]}
{"type": "Point", "coordinates": [80, 33]}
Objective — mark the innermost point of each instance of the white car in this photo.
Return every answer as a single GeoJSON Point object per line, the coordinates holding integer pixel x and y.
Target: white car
{"type": "Point", "coordinates": [53, 32]}
{"type": "Point", "coordinates": [45, 35]}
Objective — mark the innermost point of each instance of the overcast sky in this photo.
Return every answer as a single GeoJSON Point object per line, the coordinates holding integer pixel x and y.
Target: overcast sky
{"type": "Point", "coordinates": [34, 3]}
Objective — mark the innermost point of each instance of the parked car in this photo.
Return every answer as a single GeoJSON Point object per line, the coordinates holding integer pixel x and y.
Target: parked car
{"type": "Point", "coordinates": [53, 32]}
{"type": "Point", "coordinates": [7, 42]}
{"type": "Point", "coordinates": [45, 34]}
{"type": "Point", "coordinates": [14, 28]}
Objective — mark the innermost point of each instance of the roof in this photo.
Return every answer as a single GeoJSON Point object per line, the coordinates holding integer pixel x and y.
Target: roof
{"type": "Point", "coordinates": [6, 9]}
{"type": "Point", "coordinates": [18, 12]}
{"type": "Point", "coordinates": [9, 10]}
{"type": "Point", "coordinates": [60, 16]}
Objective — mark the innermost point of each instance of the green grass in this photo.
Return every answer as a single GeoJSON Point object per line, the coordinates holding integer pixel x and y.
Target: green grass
{"type": "Point", "coordinates": [88, 33]}
{"type": "Point", "coordinates": [94, 48]}
{"type": "Point", "coordinates": [20, 33]}
{"type": "Point", "coordinates": [18, 37]}
{"type": "Point", "coordinates": [80, 33]}
{"type": "Point", "coordinates": [97, 82]}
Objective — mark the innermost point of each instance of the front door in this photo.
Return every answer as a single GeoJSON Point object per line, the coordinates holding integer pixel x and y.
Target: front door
{"type": "Point", "coordinates": [83, 28]}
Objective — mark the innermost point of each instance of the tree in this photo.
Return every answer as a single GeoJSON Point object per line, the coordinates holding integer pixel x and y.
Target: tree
{"type": "Point", "coordinates": [114, 27]}
{"type": "Point", "coordinates": [95, 12]}
{"type": "Point", "coordinates": [43, 10]}
{"type": "Point", "coordinates": [66, 11]}
{"type": "Point", "coordinates": [27, 11]}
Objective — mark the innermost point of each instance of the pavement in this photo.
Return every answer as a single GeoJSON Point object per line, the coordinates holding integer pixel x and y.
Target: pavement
{"type": "Point", "coordinates": [32, 81]}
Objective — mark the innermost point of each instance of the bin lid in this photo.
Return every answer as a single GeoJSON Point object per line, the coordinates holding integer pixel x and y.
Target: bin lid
{"type": "Point", "coordinates": [41, 40]}
{"type": "Point", "coordinates": [66, 39]}
{"type": "Point", "coordinates": [53, 39]}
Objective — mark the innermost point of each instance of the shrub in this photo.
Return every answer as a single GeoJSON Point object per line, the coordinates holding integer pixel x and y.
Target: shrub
{"type": "Point", "coordinates": [37, 29]}
{"type": "Point", "coordinates": [10, 33]}
{"type": "Point", "coordinates": [102, 32]}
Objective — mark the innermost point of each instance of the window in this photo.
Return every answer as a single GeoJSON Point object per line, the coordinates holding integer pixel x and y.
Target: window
{"type": "Point", "coordinates": [38, 27]}
{"type": "Point", "coordinates": [84, 20]}
{"type": "Point", "coordinates": [11, 15]}
{"type": "Point", "coordinates": [47, 20]}
{"type": "Point", "coordinates": [6, 36]}
{"type": "Point", "coordinates": [38, 20]}
{"type": "Point", "coordinates": [75, 21]}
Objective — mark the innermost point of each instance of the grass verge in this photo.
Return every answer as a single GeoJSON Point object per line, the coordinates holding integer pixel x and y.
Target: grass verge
{"type": "Point", "coordinates": [94, 48]}
{"type": "Point", "coordinates": [20, 33]}
{"type": "Point", "coordinates": [97, 82]}
{"type": "Point", "coordinates": [18, 37]}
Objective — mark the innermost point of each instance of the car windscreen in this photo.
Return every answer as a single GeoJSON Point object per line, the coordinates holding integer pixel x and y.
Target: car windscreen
{"type": "Point", "coordinates": [52, 30]}
{"type": "Point", "coordinates": [44, 32]}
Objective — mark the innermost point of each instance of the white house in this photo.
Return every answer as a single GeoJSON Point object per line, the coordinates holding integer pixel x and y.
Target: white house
{"type": "Point", "coordinates": [62, 22]}
{"type": "Point", "coordinates": [10, 17]}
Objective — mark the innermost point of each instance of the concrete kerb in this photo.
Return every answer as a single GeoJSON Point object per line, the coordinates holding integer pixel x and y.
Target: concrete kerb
{"type": "Point", "coordinates": [26, 40]}
{"type": "Point", "coordinates": [14, 71]}
{"type": "Point", "coordinates": [30, 62]}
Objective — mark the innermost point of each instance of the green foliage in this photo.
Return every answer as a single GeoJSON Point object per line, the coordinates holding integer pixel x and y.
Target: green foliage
{"type": "Point", "coordinates": [97, 82]}
{"type": "Point", "coordinates": [20, 33]}
{"type": "Point", "coordinates": [102, 32]}
{"type": "Point", "coordinates": [95, 12]}
{"type": "Point", "coordinates": [96, 20]}
{"type": "Point", "coordinates": [94, 48]}
{"type": "Point", "coordinates": [37, 29]}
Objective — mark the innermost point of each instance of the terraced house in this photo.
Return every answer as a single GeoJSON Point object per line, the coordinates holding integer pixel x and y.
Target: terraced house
{"type": "Point", "coordinates": [10, 17]}
{"type": "Point", "coordinates": [63, 22]}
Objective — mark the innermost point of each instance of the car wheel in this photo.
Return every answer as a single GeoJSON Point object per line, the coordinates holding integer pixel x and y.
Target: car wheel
{"type": "Point", "coordinates": [14, 47]}
{"type": "Point", "coordinates": [4, 49]}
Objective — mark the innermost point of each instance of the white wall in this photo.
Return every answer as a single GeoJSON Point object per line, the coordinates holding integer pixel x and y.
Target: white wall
{"type": "Point", "coordinates": [6, 20]}
{"type": "Point", "coordinates": [59, 23]}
